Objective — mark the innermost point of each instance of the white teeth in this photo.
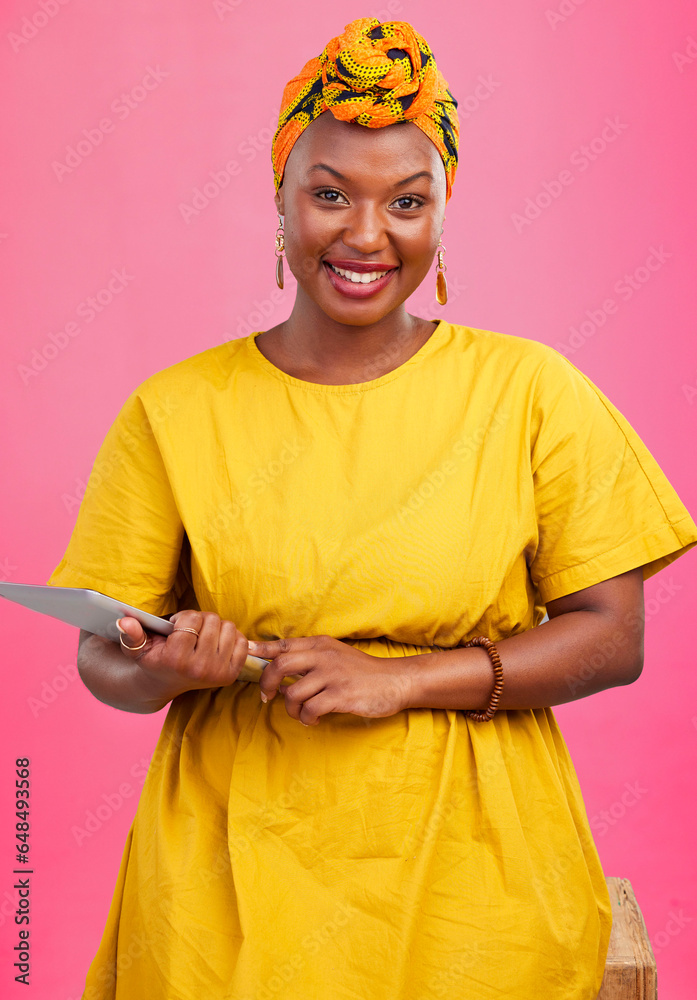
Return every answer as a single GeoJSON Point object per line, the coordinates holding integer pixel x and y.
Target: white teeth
{"type": "Point", "coordinates": [358, 277]}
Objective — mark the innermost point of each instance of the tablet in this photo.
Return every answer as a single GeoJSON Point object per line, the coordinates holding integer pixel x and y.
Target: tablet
{"type": "Point", "coordinates": [98, 613]}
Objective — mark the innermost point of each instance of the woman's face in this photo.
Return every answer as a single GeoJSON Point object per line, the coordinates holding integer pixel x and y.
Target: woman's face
{"type": "Point", "coordinates": [364, 202]}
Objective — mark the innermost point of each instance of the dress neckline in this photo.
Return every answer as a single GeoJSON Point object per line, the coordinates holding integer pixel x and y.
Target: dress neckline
{"type": "Point", "coordinates": [355, 387]}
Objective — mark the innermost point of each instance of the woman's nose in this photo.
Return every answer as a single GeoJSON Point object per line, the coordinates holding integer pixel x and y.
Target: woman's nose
{"type": "Point", "coordinates": [366, 230]}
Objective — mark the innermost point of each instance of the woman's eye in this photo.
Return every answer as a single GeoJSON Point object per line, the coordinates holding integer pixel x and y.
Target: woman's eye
{"type": "Point", "coordinates": [410, 200]}
{"type": "Point", "coordinates": [330, 195]}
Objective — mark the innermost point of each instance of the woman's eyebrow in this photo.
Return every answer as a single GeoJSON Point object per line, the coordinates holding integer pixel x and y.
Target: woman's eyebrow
{"type": "Point", "coordinates": [413, 177]}
{"type": "Point", "coordinates": [331, 170]}
{"type": "Point", "coordinates": [407, 180]}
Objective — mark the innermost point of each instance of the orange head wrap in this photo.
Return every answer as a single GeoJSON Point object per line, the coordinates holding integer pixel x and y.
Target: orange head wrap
{"type": "Point", "coordinates": [374, 74]}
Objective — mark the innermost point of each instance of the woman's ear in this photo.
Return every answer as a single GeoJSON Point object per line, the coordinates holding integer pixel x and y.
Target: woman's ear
{"type": "Point", "coordinates": [278, 199]}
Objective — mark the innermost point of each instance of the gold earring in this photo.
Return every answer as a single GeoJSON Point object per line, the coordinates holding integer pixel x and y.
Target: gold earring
{"type": "Point", "coordinates": [280, 252]}
{"type": "Point", "coordinates": [441, 268]}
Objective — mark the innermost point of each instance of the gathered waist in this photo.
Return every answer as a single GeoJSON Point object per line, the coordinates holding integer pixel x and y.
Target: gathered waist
{"type": "Point", "coordinates": [382, 646]}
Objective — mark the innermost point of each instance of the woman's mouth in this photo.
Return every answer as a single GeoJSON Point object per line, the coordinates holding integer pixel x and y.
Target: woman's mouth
{"type": "Point", "coordinates": [357, 284]}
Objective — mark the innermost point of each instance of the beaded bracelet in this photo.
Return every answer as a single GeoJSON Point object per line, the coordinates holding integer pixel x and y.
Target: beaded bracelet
{"type": "Point", "coordinates": [490, 711]}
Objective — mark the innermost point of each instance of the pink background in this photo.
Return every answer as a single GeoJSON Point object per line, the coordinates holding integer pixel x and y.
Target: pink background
{"type": "Point", "coordinates": [536, 82]}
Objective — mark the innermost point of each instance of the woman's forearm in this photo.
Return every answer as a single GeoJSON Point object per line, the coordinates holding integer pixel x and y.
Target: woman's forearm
{"type": "Point", "coordinates": [116, 679]}
{"type": "Point", "coordinates": [158, 668]}
{"type": "Point", "coordinates": [569, 657]}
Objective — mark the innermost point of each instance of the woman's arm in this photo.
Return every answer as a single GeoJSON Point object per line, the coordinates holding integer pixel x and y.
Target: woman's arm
{"type": "Point", "coordinates": [114, 678]}
{"type": "Point", "coordinates": [594, 639]}
{"type": "Point", "coordinates": [145, 680]}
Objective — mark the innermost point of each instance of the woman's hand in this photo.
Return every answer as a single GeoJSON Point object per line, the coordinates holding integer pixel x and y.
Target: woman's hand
{"type": "Point", "coordinates": [334, 677]}
{"type": "Point", "coordinates": [182, 661]}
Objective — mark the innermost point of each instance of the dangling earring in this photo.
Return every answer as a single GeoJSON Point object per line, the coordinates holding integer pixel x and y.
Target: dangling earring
{"type": "Point", "coordinates": [441, 268]}
{"type": "Point", "coordinates": [280, 252]}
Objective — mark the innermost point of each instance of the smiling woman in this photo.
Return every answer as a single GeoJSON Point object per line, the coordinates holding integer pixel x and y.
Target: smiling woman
{"type": "Point", "coordinates": [360, 240]}
{"type": "Point", "coordinates": [423, 493]}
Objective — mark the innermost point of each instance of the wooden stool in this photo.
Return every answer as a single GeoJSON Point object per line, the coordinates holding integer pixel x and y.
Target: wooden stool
{"type": "Point", "coordinates": [630, 969]}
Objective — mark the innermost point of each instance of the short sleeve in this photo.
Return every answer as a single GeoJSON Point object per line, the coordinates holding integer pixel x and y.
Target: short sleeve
{"type": "Point", "coordinates": [603, 505]}
{"type": "Point", "coordinates": [128, 536]}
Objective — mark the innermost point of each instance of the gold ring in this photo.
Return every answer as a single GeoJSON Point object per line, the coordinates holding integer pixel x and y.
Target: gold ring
{"type": "Point", "coordinates": [126, 646]}
{"type": "Point", "coordinates": [182, 629]}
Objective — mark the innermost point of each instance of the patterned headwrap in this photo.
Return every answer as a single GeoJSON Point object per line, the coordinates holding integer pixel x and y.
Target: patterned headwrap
{"type": "Point", "coordinates": [374, 74]}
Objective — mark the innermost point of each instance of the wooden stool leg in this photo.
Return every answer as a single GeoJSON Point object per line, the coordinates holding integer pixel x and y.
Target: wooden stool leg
{"type": "Point", "coordinates": [630, 969]}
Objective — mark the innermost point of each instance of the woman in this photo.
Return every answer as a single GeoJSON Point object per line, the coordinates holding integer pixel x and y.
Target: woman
{"type": "Point", "coordinates": [356, 495]}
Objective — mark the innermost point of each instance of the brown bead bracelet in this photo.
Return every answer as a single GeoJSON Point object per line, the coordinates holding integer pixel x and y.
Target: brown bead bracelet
{"type": "Point", "coordinates": [493, 705]}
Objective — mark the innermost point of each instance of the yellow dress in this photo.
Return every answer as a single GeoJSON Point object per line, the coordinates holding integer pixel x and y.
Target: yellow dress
{"type": "Point", "coordinates": [418, 856]}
